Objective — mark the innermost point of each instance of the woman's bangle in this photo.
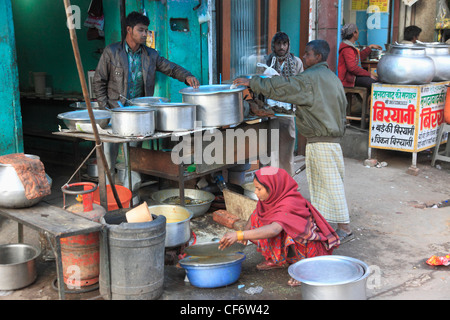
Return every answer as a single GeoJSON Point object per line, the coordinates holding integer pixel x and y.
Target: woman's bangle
{"type": "Point", "coordinates": [240, 235]}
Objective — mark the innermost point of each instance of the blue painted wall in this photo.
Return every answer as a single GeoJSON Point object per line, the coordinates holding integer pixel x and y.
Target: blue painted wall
{"type": "Point", "coordinates": [11, 140]}
{"type": "Point", "coordinates": [290, 23]}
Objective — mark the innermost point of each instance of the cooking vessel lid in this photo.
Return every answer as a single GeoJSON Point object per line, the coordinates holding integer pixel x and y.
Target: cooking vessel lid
{"type": "Point", "coordinates": [205, 261]}
{"type": "Point", "coordinates": [212, 249]}
{"type": "Point", "coordinates": [327, 270]}
{"type": "Point", "coordinates": [133, 109]}
{"type": "Point", "coordinates": [211, 89]}
{"type": "Point", "coordinates": [148, 100]}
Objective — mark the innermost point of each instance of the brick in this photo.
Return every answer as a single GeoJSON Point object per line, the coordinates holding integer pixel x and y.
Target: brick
{"type": "Point", "coordinates": [225, 218]}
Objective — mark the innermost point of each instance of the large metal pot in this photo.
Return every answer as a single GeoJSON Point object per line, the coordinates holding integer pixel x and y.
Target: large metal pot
{"type": "Point", "coordinates": [147, 101]}
{"type": "Point", "coordinates": [17, 265]}
{"type": "Point", "coordinates": [175, 116]}
{"type": "Point", "coordinates": [331, 278]}
{"type": "Point", "coordinates": [217, 105]}
{"type": "Point", "coordinates": [133, 121]}
{"type": "Point", "coordinates": [197, 201]}
{"type": "Point", "coordinates": [71, 118]}
{"type": "Point", "coordinates": [178, 219]}
{"type": "Point", "coordinates": [440, 53]}
{"type": "Point", "coordinates": [12, 191]}
{"type": "Point", "coordinates": [406, 64]}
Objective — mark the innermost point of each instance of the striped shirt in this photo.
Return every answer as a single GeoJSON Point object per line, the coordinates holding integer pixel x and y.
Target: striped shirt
{"type": "Point", "coordinates": [135, 75]}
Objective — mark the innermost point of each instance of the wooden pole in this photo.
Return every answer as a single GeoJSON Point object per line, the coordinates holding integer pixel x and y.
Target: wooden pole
{"type": "Point", "coordinates": [76, 51]}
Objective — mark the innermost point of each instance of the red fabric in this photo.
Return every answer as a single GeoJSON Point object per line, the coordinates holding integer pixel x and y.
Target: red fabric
{"type": "Point", "coordinates": [286, 206]}
{"type": "Point", "coordinates": [348, 64]}
{"type": "Point", "coordinates": [276, 249]}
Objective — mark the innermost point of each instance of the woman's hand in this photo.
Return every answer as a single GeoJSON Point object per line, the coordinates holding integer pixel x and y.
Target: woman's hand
{"type": "Point", "coordinates": [228, 239]}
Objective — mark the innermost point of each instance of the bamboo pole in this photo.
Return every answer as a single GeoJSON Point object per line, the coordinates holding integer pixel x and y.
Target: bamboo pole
{"type": "Point", "coordinates": [76, 51]}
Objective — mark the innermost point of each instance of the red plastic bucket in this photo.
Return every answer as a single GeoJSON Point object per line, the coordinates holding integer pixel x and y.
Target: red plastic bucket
{"type": "Point", "coordinates": [123, 193]}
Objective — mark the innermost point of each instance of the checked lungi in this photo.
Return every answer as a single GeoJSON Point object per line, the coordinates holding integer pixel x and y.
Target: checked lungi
{"type": "Point", "coordinates": [325, 173]}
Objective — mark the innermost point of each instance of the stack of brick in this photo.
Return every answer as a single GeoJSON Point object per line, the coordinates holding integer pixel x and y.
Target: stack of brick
{"type": "Point", "coordinates": [228, 220]}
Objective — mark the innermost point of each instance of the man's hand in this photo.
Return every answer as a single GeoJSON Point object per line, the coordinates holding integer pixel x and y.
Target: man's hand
{"type": "Point", "coordinates": [242, 82]}
{"type": "Point", "coordinates": [193, 82]}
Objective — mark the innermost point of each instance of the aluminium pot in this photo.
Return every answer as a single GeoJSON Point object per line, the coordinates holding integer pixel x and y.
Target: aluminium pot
{"type": "Point", "coordinates": [17, 265]}
{"type": "Point", "coordinates": [440, 53]}
{"type": "Point", "coordinates": [406, 64]}
{"type": "Point", "coordinates": [175, 116]}
{"type": "Point", "coordinates": [133, 121]}
{"type": "Point", "coordinates": [178, 219]}
{"type": "Point", "coordinates": [331, 278]}
{"type": "Point", "coordinates": [147, 101]}
{"type": "Point", "coordinates": [217, 105]}
{"type": "Point", "coordinates": [12, 191]}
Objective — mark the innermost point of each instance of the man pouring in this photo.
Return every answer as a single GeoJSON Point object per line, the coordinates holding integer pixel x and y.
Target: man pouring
{"type": "Point", "coordinates": [320, 117]}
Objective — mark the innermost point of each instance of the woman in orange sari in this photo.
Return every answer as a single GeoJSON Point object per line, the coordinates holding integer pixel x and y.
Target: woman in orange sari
{"type": "Point", "coordinates": [284, 226]}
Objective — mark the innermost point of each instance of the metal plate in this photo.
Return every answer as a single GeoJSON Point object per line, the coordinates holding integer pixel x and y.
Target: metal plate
{"type": "Point", "coordinates": [327, 270]}
{"type": "Point", "coordinates": [212, 249]}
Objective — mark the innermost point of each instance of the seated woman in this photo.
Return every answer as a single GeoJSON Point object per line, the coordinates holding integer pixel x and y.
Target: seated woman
{"type": "Point", "coordinates": [285, 226]}
{"type": "Point", "coordinates": [350, 71]}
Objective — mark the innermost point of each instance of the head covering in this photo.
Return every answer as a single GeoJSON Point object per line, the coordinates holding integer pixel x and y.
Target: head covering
{"type": "Point", "coordinates": [347, 30]}
{"type": "Point", "coordinates": [288, 59]}
{"type": "Point", "coordinates": [286, 206]}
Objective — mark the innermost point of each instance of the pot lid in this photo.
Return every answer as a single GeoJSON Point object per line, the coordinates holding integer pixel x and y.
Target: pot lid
{"type": "Point", "coordinates": [148, 100]}
{"type": "Point", "coordinates": [327, 270]}
{"type": "Point", "coordinates": [211, 89]}
{"type": "Point", "coordinates": [133, 109]}
{"type": "Point", "coordinates": [172, 104]}
{"type": "Point", "coordinates": [210, 261]}
{"type": "Point", "coordinates": [212, 249]}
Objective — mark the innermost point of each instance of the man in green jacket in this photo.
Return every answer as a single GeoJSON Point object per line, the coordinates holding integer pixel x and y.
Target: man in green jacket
{"type": "Point", "coordinates": [320, 117]}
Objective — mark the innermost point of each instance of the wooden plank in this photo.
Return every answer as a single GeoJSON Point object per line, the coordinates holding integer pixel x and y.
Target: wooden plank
{"type": "Point", "coordinates": [272, 23]}
{"type": "Point", "coordinates": [226, 40]}
{"type": "Point", "coordinates": [54, 220]}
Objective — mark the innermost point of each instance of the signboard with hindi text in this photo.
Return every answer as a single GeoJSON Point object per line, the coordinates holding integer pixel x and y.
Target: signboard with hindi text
{"type": "Point", "coordinates": [406, 117]}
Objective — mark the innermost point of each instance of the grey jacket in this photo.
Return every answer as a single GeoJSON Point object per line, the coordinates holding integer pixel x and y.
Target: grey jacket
{"type": "Point", "coordinates": [111, 76]}
{"type": "Point", "coordinates": [319, 96]}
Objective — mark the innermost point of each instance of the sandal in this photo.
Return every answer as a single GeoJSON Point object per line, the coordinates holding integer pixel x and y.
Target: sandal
{"type": "Point", "coordinates": [267, 265]}
{"type": "Point", "coordinates": [344, 236]}
{"type": "Point", "coordinates": [293, 283]}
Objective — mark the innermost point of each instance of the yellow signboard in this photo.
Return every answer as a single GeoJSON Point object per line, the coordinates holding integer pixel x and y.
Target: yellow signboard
{"type": "Point", "coordinates": [383, 5]}
{"type": "Point", "coordinates": [360, 5]}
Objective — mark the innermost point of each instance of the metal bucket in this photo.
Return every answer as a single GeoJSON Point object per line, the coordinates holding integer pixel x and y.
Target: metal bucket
{"type": "Point", "coordinates": [217, 105]}
{"type": "Point", "coordinates": [17, 265]}
{"type": "Point", "coordinates": [135, 259]}
{"type": "Point", "coordinates": [331, 278]}
{"type": "Point", "coordinates": [178, 218]}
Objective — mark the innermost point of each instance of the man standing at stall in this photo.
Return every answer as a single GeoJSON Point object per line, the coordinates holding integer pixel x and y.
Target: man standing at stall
{"type": "Point", "coordinates": [287, 65]}
{"type": "Point", "coordinates": [320, 117]}
{"type": "Point", "coordinates": [128, 69]}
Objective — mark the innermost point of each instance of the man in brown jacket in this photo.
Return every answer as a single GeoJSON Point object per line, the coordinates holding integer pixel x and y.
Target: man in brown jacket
{"type": "Point", "coordinates": [128, 68]}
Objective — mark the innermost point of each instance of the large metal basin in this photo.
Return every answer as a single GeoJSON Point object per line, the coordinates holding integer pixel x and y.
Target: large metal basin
{"type": "Point", "coordinates": [331, 278]}
{"type": "Point", "coordinates": [12, 192]}
{"type": "Point", "coordinates": [217, 105]}
{"type": "Point", "coordinates": [178, 219]}
{"type": "Point", "coordinates": [71, 118]}
{"type": "Point", "coordinates": [17, 265]}
{"type": "Point", "coordinates": [206, 198]}
{"type": "Point", "coordinates": [406, 64]}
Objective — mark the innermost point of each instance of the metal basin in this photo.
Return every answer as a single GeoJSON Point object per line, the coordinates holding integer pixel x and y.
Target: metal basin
{"type": "Point", "coordinates": [71, 118]}
{"type": "Point", "coordinates": [249, 190]}
{"type": "Point", "coordinates": [213, 272]}
{"type": "Point", "coordinates": [331, 278]}
{"type": "Point", "coordinates": [217, 105]}
{"type": "Point", "coordinates": [12, 192]}
{"type": "Point", "coordinates": [178, 218]}
{"type": "Point", "coordinates": [17, 265]}
{"type": "Point", "coordinates": [133, 121]}
{"type": "Point", "coordinates": [202, 199]}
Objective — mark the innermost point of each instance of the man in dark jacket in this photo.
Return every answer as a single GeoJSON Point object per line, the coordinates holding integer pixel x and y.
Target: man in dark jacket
{"type": "Point", "coordinates": [320, 117]}
{"type": "Point", "coordinates": [128, 68]}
